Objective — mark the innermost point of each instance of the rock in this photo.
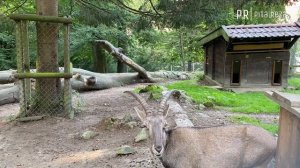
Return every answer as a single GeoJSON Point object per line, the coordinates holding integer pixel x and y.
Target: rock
{"type": "Point", "coordinates": [128, 118]}
{"type": "Point", "coordinates": [201, 107]}
{"type": "Point", "coordinates": [109, 123]}
{"type": "Point", "coordinates": [125, 150]}
{"type": "Point", "coordinates": [208, 104]}
{"type": "Point", "coordinates": [142, 135]}
{"type": "Point", "coordinates": [106, 104]}
{"type": "Point", "coordinates": [202, 115]}
{"type": "Point", "coordinates": [131, 124]}
{"type": "Point", "coordinates": [89, 134]}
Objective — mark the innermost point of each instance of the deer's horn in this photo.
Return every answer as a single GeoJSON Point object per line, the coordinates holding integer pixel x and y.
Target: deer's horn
{"type": "Point", "coordinates": [163, 103]}
{"type": "Point", "coordinates": [142, 101]}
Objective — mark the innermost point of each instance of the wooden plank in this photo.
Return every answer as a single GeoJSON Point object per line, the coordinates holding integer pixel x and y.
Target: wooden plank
{"type": "Point", "coordinates": [20, 68]}
{"type": "Point", "coordinates": [39, 18]}
{"type": "Point", "coordinates": [67, 70]}
{"type": "Point", "coordinates": [26, 62]}
{"type": "Point", "coordinates": [256, 51]}
{"type": "Point", "coordinates": [260, 42]}
{"type": "Point", "coordinates": [294, 110]}
{"type": "Point", "coordinates": [289, 99]}
{"type": "Point", "coordinates": [213, 35]}
{"type": "Point", "coordinates": [33, 118]}
{"type": "Point", "coordinates": [43, 75]}
{"type": "Point", "coordinates": [240, 47]}
{"type": "Point", "coordinates": [292, 42]}
{"type": "Point", "coordinates": [288, 148]}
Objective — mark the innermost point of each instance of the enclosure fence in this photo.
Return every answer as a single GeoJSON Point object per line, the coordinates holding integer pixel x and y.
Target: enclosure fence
{"type": "Point", "coordinates": [43, 65]}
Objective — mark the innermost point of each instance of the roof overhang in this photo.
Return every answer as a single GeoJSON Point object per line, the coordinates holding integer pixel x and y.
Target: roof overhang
{"type": "Point", "coordinates": [255, 32]}
{"type": "Point", "coordinates": [221, 31]}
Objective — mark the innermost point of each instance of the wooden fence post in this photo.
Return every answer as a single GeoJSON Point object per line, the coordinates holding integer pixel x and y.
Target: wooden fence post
{"type": "Point", "coordinates": [288, 143]}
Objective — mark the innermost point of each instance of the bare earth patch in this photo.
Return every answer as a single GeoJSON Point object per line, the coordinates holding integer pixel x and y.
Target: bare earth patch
{"type": "Point", "coordinates": [56, 142]}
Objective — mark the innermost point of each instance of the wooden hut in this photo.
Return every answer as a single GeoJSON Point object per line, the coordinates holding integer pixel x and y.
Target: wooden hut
{"type": "Point", "coordinates": [249, 55]}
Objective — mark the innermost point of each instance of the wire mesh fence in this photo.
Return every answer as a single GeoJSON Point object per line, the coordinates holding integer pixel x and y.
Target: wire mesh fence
{"type": "Point", "coordinates": [43, 68]}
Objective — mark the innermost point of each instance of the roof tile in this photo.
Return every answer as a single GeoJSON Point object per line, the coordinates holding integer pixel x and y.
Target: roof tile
{"type": "Point", "coordinates": [256, 31]}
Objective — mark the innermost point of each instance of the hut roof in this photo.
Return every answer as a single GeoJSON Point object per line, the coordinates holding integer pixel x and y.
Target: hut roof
{"type": "Point", "coordinates": [253, 31]}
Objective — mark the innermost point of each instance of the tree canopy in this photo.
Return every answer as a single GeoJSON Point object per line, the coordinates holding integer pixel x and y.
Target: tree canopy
{"type": "Point", "coordinates": [157, 34]}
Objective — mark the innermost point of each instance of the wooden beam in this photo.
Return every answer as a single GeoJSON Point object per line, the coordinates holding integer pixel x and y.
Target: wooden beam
{"type": "Point", "coordinates": [256, 51]}
{"type": "Point", "coordinates": [292, 42]}
{"type": "Point", "coordinates": [39, 18]}
{"type": "Point", "coordinates": [213, 35]}
{"type": "Point", "coordinates": [260, 42]}
{"type": "Point", "coordinates": [247, 47]}
{"type": "Point", "coordinates": [43, 75]}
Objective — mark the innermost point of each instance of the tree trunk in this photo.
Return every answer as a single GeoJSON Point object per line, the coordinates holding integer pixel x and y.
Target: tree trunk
{"type": "Point", "coordinates": [84, 80]}
{"type": "Point", "coordinates": [190, 66]}
{"type": "Point", "coordinates": [121, 67]}
{"type": "Point", "coordinates": [48, 91]}
{"type": "Point", "coordinates": [117, 53]}
{"type": "Point", "coordinates": [99, 59]}
{"type": "Point", "coordinates": [181, 50]}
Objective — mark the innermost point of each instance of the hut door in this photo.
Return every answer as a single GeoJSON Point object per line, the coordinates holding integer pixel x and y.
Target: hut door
{"type": "Point", "coordinates": [277, 69]}
{"type": "Point", "coordinates": [236, 72]}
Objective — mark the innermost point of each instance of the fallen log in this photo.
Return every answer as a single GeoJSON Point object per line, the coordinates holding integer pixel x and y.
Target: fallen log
{"type": "Point", "coordinates": [9, 95]}
{"type": "Point", "coordinates": [5, 86]}
{"type": "Point", "coordinates": [7, 77]}
{"type": "Point", "coordinates": [117, 53]}
{"type": "Point", "coordinates": [103, 81]}
{"type": "Point", "coordinates": [84, 80]}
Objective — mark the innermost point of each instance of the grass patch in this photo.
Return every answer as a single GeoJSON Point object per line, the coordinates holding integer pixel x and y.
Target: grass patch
{"type": "Point", "coordinates": [241, 119]}
{"type": "Point", "coordinates": [154, 91]}
{"type": "Point", "coordinates": [252, 102]}
{"type": "Point", "coordinates": [295, 83]}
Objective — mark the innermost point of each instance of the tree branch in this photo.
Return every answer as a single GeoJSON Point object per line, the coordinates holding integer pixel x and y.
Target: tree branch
{"type": "Point", "coordinates": [135, 11]}
{"type": "Point", "coordinates": [92, 6]}
{"type": "Point", "coordinates": [153, 7]}
{"type": "Point", "coordinates": [16, 7]}
{"type": "Point", "coordinates": [117, 53]}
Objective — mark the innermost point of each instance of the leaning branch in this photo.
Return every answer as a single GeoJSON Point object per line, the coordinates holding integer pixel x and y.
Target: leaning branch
{"type": "Point", "coordinates": [117, 53]}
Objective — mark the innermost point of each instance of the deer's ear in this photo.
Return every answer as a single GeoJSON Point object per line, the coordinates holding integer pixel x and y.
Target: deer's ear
{"type": "Point", "coordinates": [141, 114]}
{"type": "Point", "coordinates": [166, 111]}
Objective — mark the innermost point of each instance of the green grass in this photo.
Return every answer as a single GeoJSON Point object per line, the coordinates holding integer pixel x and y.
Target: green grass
{"type": "Point", "coordinates": [252, 102]}
{"type": "Point", "coordinates": [294, 82]}
{"type": "Point", "coordinates": [242, 119]}
{"type": "Point", "coordinates": [154, 90]}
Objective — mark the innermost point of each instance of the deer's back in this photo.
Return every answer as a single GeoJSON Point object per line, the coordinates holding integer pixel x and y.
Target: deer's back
{"type": "Point", "coordinates": [227, 146]}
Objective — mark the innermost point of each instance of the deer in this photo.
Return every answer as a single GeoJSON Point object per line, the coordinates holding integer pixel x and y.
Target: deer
{"type": "Point", "coordinates": [232, 146]}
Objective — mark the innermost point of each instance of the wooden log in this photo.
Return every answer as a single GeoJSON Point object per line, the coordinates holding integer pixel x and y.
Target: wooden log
{"type": "Point", "coordinates": [33, 118]}
{"type": "Point", "coordinates": [6, 77]}
{"type": "Point", "coordinates": [39, 18]}
{"type": "Point", "coordinates": [6, 86]}
{"type": "Point", "coordinates": [175, 75]}
{"type": "Point", "coordinates": [9, 95]}
{"type": "Point", "coordinates": [117, 53]}
{"type": "Point", "coordinates": [103, 81]}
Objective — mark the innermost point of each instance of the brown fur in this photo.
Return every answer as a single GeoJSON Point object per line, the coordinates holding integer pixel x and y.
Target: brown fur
{"type": "Point", "coordinates": [218, 147]}
{"type": "Point", "coordinates": [235, 146]}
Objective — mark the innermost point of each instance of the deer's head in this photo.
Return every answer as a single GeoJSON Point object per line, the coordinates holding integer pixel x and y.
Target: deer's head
{"type": "Point", "coordinates": [155, 120]}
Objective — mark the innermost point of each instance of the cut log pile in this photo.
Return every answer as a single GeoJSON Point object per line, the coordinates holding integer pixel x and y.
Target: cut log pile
{"type": "Point", "coordinates": [84, 80]}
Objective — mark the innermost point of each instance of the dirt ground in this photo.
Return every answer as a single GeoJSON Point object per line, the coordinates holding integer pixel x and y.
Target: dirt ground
{"type": "Point", "coordinates": [55, 142]}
